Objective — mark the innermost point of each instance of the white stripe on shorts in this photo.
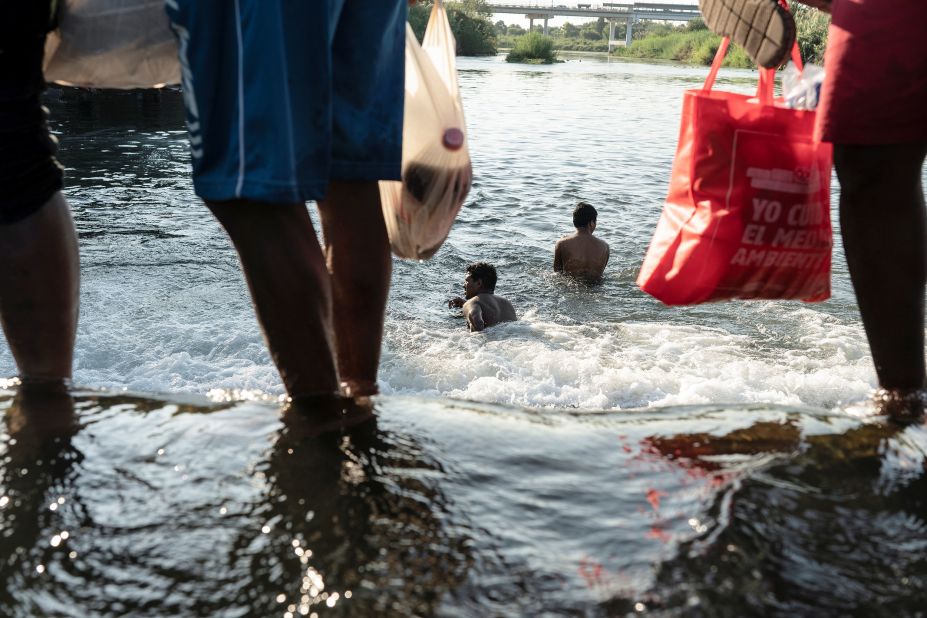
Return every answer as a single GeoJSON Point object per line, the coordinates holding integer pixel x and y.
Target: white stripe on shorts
{"type": "Point", "coordinates": [241, 103]}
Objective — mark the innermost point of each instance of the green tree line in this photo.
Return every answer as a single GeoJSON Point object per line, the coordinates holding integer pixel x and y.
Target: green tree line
{"type": "Point", "coordinates": [470, 22]}
{"type": "Point", "coordinates": [691, 42]}
{"type": "Point", "coordinates": [695, 44]}
{"type": "Point", "coordinates": [590, 36]}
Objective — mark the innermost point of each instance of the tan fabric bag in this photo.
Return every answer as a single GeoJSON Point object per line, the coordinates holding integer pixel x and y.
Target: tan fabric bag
{"type": "Point", "coordinates": [112, 44]}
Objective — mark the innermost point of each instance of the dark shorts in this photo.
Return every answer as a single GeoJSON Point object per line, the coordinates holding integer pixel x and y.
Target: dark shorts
{"type": "Point", "coordinates": [283, 96]}
{"type": "Point", "coordinates": [29, 173]}
{"type": "Point", "coordinates": [875, 91]}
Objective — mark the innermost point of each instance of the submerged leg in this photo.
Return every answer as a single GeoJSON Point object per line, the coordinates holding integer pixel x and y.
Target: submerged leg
{"type": "Point", "coordinates": [39, 291]}
{"type": "Point", "coordinates": [358, 255]}
{"type": "Point", "coordinates": [882, 219]}
{"type": "Point", "coordinates": [285, 270]}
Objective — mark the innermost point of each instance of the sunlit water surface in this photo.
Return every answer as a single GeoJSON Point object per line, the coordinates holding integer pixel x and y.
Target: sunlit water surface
{"type": "Point", "coordinates": [773, 497]}
{"type": "Point", "coordinates": [186, 508]}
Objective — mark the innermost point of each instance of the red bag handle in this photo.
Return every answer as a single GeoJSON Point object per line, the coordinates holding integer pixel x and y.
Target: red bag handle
{"type": "Point", "coordinates": [716, 64]}
{"type": "Point", "coordinates": [764, 89]}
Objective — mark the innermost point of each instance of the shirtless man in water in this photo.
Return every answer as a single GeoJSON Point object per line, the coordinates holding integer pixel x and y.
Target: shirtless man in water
{"type": "Point", "coordinates": [581, 254]}
{"type": "Point", "coordinates": [482, 307]}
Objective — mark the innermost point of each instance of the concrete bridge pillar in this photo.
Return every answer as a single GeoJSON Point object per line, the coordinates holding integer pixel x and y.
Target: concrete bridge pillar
{"type": "Point", "coordinates": [627, 35]}
{"type": "Point", "coordinates": [611, 34]}
{"type": "Point", "coordinates": [532, 16]}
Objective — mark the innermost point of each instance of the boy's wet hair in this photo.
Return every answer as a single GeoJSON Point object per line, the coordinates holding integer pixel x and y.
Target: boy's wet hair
{"type": "Point", "coordinates": [584, 214]}
{"type": "Point", "coordinates": [484, 272]}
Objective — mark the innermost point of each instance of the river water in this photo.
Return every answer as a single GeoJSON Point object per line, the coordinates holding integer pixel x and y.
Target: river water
{"type": "Point", "coordinates": [603, 455]}
{"type": "Point", "coordinates": [164, 307]}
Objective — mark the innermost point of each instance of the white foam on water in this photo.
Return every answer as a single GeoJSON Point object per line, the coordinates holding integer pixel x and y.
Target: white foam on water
{"type": "Point", "coordinates": [814, 360]}
{"type": "Point", "coordinates": [539, 363]}
{"type": "Point", "coordinates": [190, 349]}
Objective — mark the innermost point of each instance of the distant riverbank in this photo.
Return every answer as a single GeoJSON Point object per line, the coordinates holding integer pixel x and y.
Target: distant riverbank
{"type": "Point", "coordinates": [689, 47]}
{"type": "Point", "coordinates": [691, 43]}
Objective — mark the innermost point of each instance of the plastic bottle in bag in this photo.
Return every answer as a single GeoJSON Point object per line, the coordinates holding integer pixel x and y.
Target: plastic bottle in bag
{"type": "Point", "coordinates": [436, 172]}
{"type": "Point", "coordinates": [801, 87]}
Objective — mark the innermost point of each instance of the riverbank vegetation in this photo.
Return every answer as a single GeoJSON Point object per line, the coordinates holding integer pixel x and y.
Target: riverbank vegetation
{"type": "Point", "coordinates": [690, 43]}
{"type": "Point", "coordinates": [589, 37]}
{"type": "Point", "coordinates": [470, 23]}
{"type": "Point", "coordinates": [693, 43]}
{"type": "Point", "coordinates": [812, 32]}
{"type": "Point", "coordinates": [533, 48]}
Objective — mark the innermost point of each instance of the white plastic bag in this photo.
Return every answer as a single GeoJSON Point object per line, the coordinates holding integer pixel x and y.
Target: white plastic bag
{"type": "Point", "coordinates": [801, 88]}
{"type": "Point", "coordinates": [112, 44]}
{"type": "Point", "coordinates": [436, 171]}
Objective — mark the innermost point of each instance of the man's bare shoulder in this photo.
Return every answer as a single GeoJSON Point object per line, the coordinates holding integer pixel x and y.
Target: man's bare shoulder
{"type": "Point", "coordinates": [492, 309]}
{"type": "Point", "coordinates": [483, 301]}
{"type": "Point", "coordinates": [564, 241]}
{"type": "Point", "coordinates": [509, 312]}
{"type": "Point", "coordinates": [582, 245]}
{"type": "Point", "coordinates": [505, 310]}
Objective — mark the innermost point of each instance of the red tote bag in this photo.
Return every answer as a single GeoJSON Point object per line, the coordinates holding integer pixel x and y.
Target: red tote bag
{"type": "Point", "coordinates": [748, 209]}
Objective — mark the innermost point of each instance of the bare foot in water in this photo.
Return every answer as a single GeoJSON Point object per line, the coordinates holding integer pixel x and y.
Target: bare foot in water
{"type": "Point", "coordinates": [902, 405]}
{"type": "Point", "coordinates": [41, 414]}
{"type": "Point", "coordinates": [310, 416]}
{"type": "Point", "coordinates": [359, 390]}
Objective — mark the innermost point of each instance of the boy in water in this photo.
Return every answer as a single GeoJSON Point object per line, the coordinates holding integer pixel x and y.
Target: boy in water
{"type": "Point", "coordinates": [482, 307]}
{"type": "Point", "coordinates": [581, 254]}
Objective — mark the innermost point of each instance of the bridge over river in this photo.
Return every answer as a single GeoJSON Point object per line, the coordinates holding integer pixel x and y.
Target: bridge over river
{"type": "Point", "coordinates": [611, 11]}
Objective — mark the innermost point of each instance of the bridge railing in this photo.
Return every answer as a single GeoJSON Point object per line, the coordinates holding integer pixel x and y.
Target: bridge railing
{"type": "Point", "coordinates": [607, 6]}
{"type": "Point", "coordinates": [609, 10]}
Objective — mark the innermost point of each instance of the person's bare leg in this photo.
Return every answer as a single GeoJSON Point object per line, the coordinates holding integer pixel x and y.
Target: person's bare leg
{"type": "Point", "coordinates": [884, 229]}
{"type": "Point", "coordinates": [285, 270]}
{"type": "Point", "coordinates": [358, 255]}
{"type": "Point", "coordinates": [39, 291]}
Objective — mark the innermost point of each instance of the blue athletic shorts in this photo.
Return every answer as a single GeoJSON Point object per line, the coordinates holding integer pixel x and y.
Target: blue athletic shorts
{"type": "Point", "coordinates": [283, 96]}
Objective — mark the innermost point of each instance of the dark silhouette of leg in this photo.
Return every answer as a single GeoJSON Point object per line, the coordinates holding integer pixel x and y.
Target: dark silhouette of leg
{"type": "Point", "coordinates": [39, 291]}
{"type": "Point", "coordinates": [285, 270]}
{"type": "Point", "coordinates": [882, 219]}
{"type": "Point", "coordinates": [358, 255]}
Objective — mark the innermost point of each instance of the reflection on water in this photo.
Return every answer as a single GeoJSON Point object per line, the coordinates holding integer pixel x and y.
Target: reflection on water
{"type": "Point", "coordinates": [135, 506]}
{"type": "Point", "coordinates": [38, 462]}
{"type": "Point", "coordinates": [174, 520]}
{"type": "Point", "coordinates": [837, 528]}
{"type": "Point", "coordinates": [356, 518]}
